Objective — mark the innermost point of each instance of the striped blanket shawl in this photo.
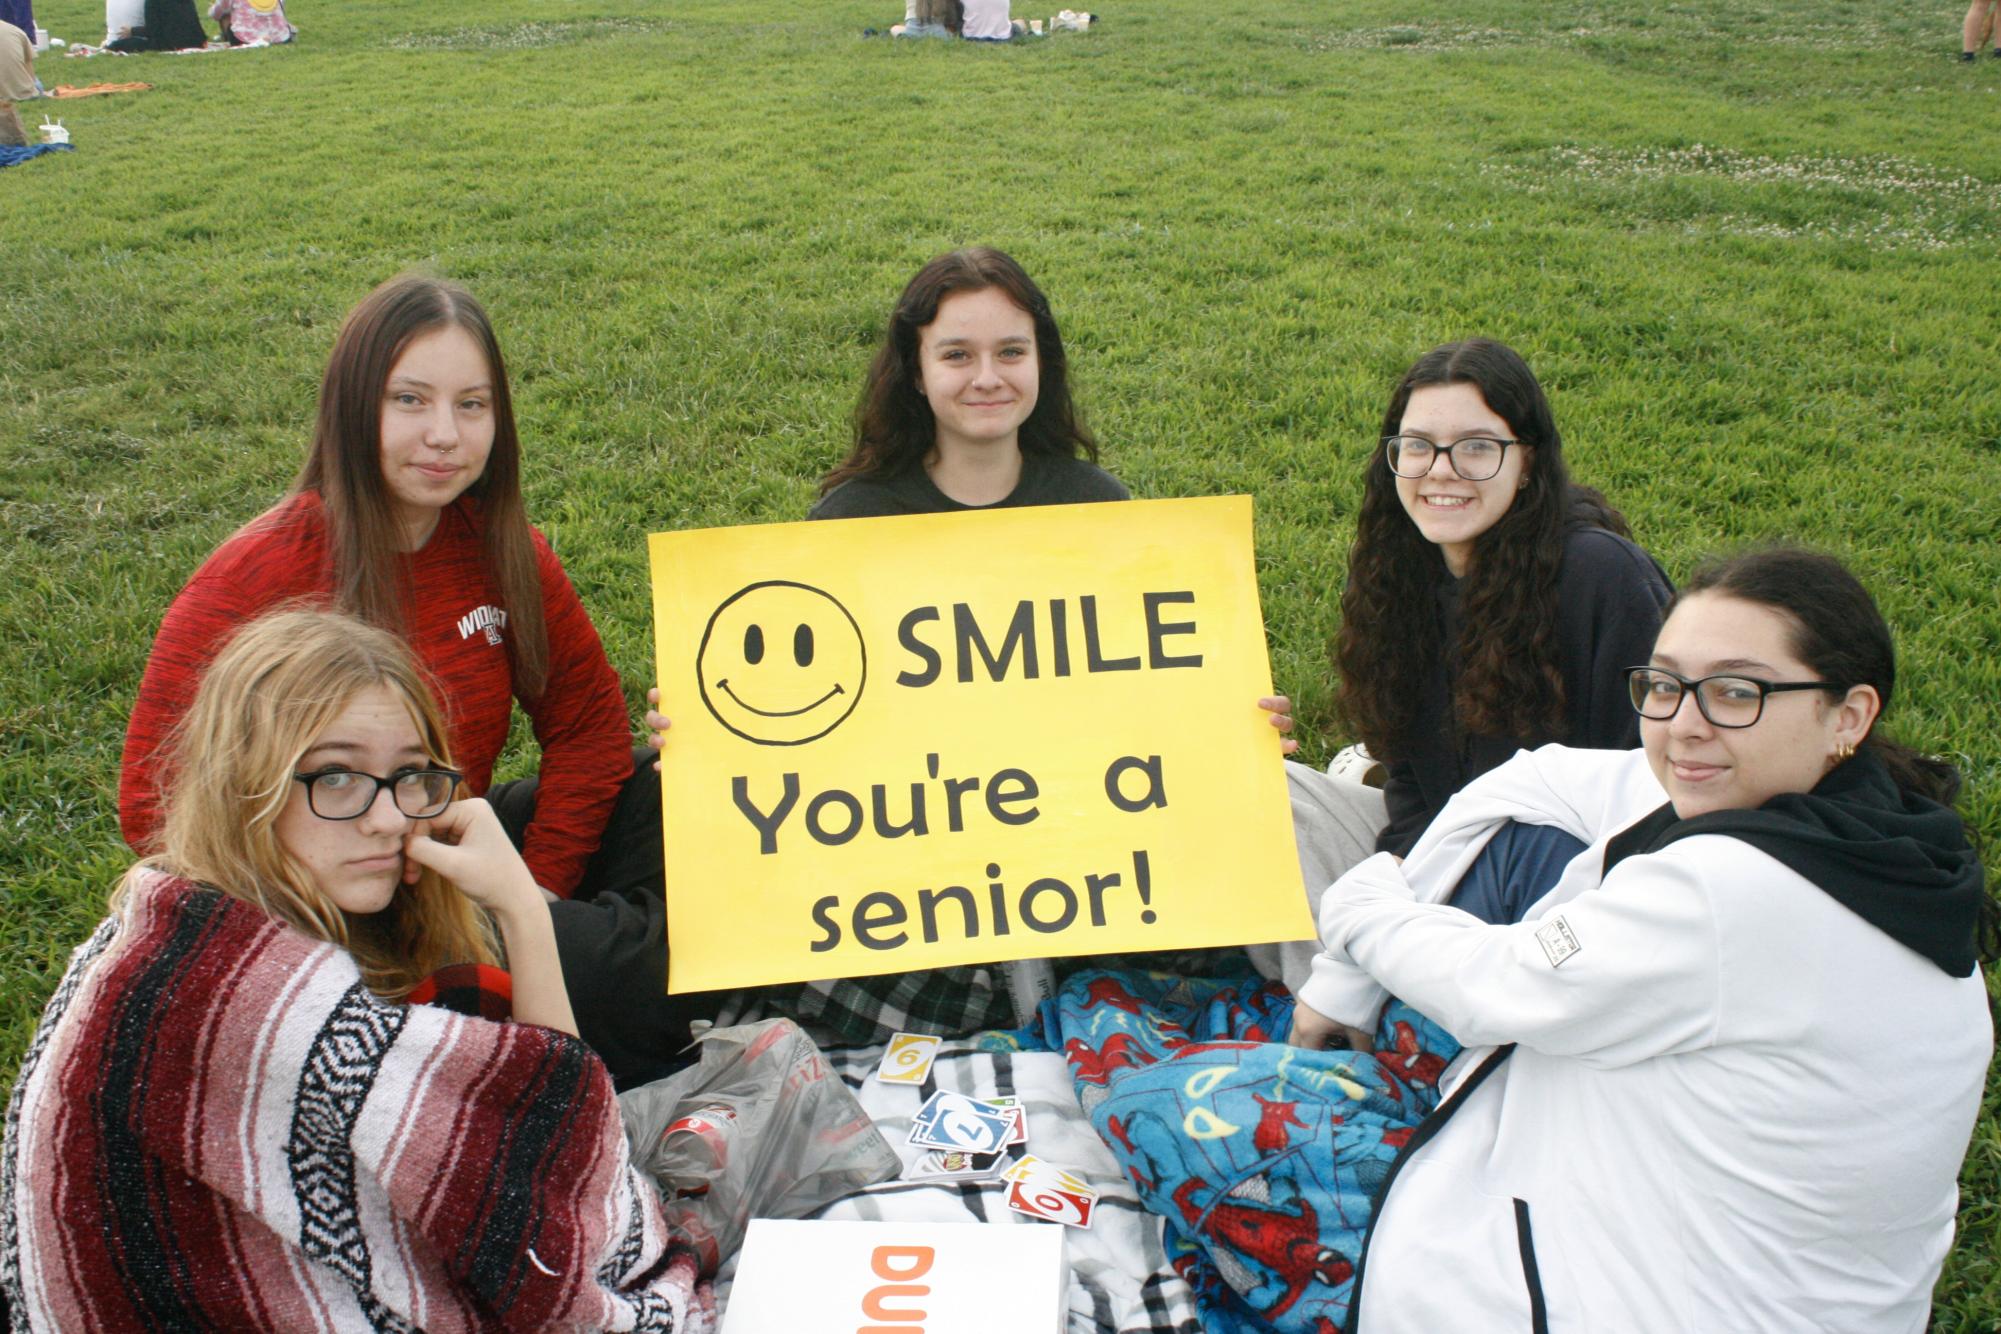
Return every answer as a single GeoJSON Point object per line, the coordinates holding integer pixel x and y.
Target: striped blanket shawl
{"type": "Point", "coordinates": [217, 1126]}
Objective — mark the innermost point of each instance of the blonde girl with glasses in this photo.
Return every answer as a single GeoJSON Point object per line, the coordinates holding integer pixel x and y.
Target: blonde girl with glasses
{"type": "Point", "coordinates": [233, 1115]}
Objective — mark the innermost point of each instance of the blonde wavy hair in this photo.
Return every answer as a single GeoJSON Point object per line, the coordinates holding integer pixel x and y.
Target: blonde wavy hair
{"type": "Point", "coordinates": [280, 682]}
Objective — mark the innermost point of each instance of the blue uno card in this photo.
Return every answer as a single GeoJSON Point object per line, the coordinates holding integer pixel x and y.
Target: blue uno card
{"type": "Point", "coordinates": [955, 1121]}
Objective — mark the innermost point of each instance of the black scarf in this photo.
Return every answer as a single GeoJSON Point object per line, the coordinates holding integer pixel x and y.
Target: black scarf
{"type": "Point", "coordinates": [1899, 861]}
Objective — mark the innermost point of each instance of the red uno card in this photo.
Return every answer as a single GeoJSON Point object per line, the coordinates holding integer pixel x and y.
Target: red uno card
{"type": "Point", "coordinates": [1018, 1111]}
{"type": "Point", "coordinates": [1041, 1190]}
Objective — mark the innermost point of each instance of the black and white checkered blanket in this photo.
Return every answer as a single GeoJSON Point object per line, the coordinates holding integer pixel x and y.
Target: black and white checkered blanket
{"type": "Point", "coordinates": [1120, 1282]}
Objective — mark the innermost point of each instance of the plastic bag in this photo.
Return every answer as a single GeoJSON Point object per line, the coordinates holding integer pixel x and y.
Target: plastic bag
{"type": "Point", "coordinates": [758, 1128]}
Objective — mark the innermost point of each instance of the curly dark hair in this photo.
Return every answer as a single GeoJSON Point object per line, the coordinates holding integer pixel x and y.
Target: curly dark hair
{"type": "Point", "coordinates": [894, 427]}
{"type": "Point", "coordinates": [1510, 677]}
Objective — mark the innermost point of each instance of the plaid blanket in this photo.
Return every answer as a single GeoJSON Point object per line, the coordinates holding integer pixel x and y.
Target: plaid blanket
{"type": "Point", "coordinates": [854, 1011]}
{"type": "Point", "coordinates": [949, 1002]}
{"type": "Point", "coordinates": [1121, 1282]}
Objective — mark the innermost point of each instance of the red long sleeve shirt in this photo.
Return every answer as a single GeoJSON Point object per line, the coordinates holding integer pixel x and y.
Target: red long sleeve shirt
{"type": "Point", "coordinates": [456, 627]}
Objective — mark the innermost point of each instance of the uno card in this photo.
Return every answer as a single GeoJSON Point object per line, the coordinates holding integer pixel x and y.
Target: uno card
{"type": "Point", "coordinates": [956, 1165]}
{"type": "Point", "coordinates": [1021, 1167]}
{"type": "Point", "coordinates": [907, 1060]}
{"type": "Point", "coordinates": [1017, 1109]}
{"type": "Point", "coordinates": [1048, 1192]}
{"type": "Point", "coordinates": [955, 1121]}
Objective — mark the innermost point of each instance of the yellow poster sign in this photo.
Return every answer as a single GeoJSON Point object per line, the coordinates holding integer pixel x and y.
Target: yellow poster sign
{"type": "Point", "coordinates": [942, 739]}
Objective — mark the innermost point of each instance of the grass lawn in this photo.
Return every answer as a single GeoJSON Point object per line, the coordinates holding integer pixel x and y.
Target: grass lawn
{"type": "Point", "coordinates": [1749, 245]}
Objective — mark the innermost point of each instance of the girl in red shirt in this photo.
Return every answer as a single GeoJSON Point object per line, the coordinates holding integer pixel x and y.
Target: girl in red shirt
{"type": "Point", "coordinates": [408, 514]}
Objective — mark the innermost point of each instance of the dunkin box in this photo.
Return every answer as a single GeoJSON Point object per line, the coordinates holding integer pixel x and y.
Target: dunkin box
{"type": "Point", "coordinates": [805, 1276]}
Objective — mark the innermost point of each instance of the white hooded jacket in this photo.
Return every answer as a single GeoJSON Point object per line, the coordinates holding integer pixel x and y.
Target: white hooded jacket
{"type": "Point", "coordinates": [1735, 1105]}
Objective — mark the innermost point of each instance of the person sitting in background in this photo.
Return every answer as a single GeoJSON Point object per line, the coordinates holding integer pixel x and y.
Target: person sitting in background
{"type": "Point", "coordinates": [168, 25]}
{"type": "Point", "coordinates": [21, 14]}
{"type": "Point", "coordinates": [1490, 602]}
{"type": "Point", "coordinates": [17, 83]}
{"type": "Point", "coordinates": [986, 21]}
{"type": "Point", "coordinates": [248, 21]}
{"type": "Point", "coordinates": [930, 18]}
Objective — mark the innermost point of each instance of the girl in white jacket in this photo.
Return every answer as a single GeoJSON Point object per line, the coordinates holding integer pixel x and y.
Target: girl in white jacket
{"type": "Point", "coordinates": [1723, 1074]}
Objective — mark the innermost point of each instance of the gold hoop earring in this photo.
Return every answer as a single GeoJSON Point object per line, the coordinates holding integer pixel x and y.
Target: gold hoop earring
{"type": "Point", "coordinates": [1844, 752]}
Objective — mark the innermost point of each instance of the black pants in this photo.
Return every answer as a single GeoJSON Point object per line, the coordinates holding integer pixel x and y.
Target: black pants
{"type": "Point", "coordinates": [611, 934]}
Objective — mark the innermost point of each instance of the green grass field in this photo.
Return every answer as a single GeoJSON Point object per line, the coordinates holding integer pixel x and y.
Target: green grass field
{"type": "Point", "coordinates": [1749, 245]}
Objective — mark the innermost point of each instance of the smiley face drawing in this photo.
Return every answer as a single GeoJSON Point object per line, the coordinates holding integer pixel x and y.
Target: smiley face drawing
{"type": "Point", "coordinates": [781, 663]}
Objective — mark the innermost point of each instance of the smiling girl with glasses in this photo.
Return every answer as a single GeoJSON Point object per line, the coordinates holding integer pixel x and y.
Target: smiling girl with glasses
{"type": "Point", "coordinates": [1490, 602]}
{"type": "Point", "coordinates": [1489, 599]}
{"type": "Point", "coordinates": [1738, 1047]}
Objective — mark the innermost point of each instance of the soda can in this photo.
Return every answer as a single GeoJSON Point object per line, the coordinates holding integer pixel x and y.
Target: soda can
{"type": "Point", "coordinates": [694, 1150]}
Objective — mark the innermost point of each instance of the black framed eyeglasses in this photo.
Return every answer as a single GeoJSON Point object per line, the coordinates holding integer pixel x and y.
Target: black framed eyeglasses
{"type": "Point", "coordinates": [1475, 459]}
{"type": "Point", "coordinates": [1726, 701]}
{"type": "Point", "coordinates": [345, 794]}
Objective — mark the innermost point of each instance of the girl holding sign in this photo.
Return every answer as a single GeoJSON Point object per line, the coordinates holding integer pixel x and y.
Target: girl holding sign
{"type": "Point", "coordinates": [966, 406]}
{"type": "Point", "coordinates": [238, 1113]}
{"type": "Point", "coordinates": [408, 514]}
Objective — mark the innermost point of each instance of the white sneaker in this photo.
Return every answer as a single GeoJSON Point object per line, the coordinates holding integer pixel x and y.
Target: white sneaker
{"type": "Point", "coordinates": [1356, 765]}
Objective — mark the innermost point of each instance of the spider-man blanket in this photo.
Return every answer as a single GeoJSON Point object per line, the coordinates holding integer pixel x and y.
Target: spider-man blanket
{"type": "Point", "coordinates": [1261, 1157]}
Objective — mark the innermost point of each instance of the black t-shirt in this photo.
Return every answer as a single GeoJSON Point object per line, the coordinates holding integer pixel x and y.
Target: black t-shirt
{"type": "Point", "coordinates": [1610, 602]}
{"type": "Point", "coordinates": [1046, 479]}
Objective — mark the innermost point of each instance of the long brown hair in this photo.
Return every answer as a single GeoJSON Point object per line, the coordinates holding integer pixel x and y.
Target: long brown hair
{"type": "Point", "coordinates": [894, 426]}
{"type": "Point", "coordinates": [1510, 666]}
{"type": "Point", "coordinates": [228, 773]}
{"type": "Point", "coordinates": [344, 466]}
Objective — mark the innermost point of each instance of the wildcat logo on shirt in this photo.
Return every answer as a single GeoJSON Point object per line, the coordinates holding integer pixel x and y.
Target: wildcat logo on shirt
{"type": "Point", "coordinates": [490, 620]}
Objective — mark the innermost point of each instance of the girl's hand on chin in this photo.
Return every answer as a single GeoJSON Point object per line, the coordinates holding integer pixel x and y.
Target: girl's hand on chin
{"type": "Point", "coordinates": [467, 846]}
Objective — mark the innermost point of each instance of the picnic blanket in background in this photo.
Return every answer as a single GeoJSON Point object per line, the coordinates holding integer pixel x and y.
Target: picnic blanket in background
{"type": "Point", "coordinates": [79, 51]}
{"type": "Point", "coordinates": [1262, 1158]}
{"type": "Point", "coordinates": [1120, 1279]}
{"type": "Point", "coordinates": [14, 157]}
{"type": "Point", "coordinates": [98, 89]}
